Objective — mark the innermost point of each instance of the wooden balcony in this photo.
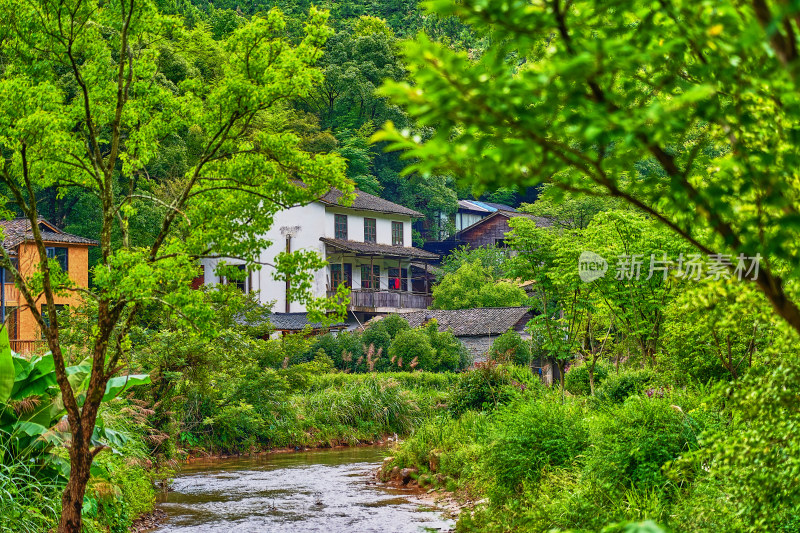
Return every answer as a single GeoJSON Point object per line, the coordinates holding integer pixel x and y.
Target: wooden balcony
{"type": "Point", "coordinates": [385, 301]}
{"type": "Point", "coordinates": [28, 348]}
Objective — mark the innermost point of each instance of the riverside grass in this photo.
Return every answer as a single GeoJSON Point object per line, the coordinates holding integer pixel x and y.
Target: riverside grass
{"type": "Point", "coordinates": [329, 410]}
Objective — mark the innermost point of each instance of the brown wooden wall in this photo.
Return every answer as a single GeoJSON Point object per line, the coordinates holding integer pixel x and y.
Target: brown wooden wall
{"type": "Point", "coordinates": [487, 232]}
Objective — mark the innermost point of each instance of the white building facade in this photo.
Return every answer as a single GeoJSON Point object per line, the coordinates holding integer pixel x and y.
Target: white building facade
{"type": "Point", "coordinates": [367, 244]}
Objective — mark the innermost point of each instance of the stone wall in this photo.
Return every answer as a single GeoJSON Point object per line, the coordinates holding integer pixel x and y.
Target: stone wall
{"type": "Point", "coordinates": [478, 347]}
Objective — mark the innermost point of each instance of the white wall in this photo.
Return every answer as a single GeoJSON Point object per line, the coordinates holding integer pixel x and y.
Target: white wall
{"type": "Point", "coordinates": [465, 220]}
{"type": "Point", "coordinates": [355, 225]}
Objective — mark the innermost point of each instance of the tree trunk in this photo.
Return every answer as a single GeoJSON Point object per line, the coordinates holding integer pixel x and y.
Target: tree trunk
{"type": "Point", "coordinates": [72, 500]}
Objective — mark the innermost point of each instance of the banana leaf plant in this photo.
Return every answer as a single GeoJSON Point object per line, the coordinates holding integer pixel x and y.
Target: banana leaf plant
{"type": "Point", "coordinates": [31, 410]}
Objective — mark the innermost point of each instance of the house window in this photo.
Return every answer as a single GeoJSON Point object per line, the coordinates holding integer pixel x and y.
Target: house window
{"type": "Point", "coordinates": [398, 279]}
{"type": "Point", "coordinates": [241, 284]}
{"type": "Point", "coordinates": [370, 233]}
{"type": "Point", "coordinates": [200, 279]}
{"type": "Point", "coordinates": [46, 317]}
{"type": "Point", "coordinates": [60, 254]}
{"type": "Point", "coordinates": [397, 234]}
{"type": "Point", "coordinates": [9, 276]}
{"type": "Point", "coordinates": [340, 226]}
{"type": "Point", "coordinates": [370, 281]}
{"type": "Point", "coordinates": [341, 273]}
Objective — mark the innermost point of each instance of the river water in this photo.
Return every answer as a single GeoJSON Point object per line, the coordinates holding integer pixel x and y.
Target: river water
{"type": "Point", "coordinates": [319, 491]}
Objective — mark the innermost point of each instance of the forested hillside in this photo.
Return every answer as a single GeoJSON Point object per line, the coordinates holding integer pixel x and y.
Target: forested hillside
{"type": "Point", "coordinates": [338, 116]}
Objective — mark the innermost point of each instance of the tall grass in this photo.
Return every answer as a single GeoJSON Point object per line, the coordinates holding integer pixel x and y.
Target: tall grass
{"type": "Point", "coordinates": [441, 381]}
{"type": "Point", "coordinates": [379, 403]}
{"type": "Point", "coordinates": [27, 503]}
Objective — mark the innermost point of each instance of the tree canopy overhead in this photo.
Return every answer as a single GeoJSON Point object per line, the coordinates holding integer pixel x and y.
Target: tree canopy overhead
{"type": "Point", "coordinates": [688, 111]}
{"type": "Point", "coordinates": [88, 103]}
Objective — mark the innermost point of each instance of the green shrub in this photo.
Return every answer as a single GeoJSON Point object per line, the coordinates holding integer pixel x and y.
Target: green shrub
{"type": "Point", "coordinates": [376, 404]}
{"type": "Point", "coordinates": [379, 339]}
{"type": "Point", "coordinates": [631, 443]}
{"type": "Point", "coordinates": [576, 379]}
{"type": "Point", "coordinates": [510, 348]}
{"type": "Point", "coordinates": [451, 354]}
{"type": "Point", "coordinates": [445, 446]}
{"type": "Point", "coordinates": [394, 324]}
{"type": "Point", "coordinates": [617, 388]}
{"type": "Point", "coordinates": [483, 388]}
{"type": "Point", "coordinates": [411, 349]}
{"type": "Point", "coordinates": [530, 436]}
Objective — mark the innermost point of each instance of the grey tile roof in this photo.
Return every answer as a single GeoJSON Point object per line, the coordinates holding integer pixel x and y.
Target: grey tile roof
{"type": "Point", "coordinates": [368, 248]}
{"type": "Point", "coordinates": [471, 322]}
{"type": "Point", "coordinates": [18, 230]}
{"type": "Point", "coordinates": [297, 322]}
{"type": "Point", "coordinates": [369, 202]}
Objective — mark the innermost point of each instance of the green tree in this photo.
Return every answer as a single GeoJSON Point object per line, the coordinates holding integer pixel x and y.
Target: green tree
{"type": "Point", "coordinates": [411, 348]}
{"type": "Point", "coordinates": [567, 210]}
{"type": "Point", "coordinates": [472, 285]}
{"type": "Point", "coordinates": [564, 302]}
{"type": "Point", "coordinates": [83, 107]}
{"type": "Point", "coordinates": [678, 109]}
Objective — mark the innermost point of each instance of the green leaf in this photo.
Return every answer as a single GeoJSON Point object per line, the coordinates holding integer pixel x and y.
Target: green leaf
{"type": "Point", "coordinates": [7, 372]}
{"type": "Point", "coordinates": [120, 384]}
{"type": "Point", "coordinates": [32, 429]}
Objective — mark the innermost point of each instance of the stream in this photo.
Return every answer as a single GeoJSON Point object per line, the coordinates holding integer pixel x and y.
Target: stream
{"type": "Point", "coordinates": [318, 491]}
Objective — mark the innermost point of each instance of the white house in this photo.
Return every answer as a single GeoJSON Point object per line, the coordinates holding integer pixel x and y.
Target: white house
{"type": "Point", "coordinates": [367, 245]}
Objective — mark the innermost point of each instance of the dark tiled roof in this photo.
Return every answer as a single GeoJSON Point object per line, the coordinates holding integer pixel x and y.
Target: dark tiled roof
{"type": "Point", "coordinates": [368, 202]}
{"type": "Point", "coordinates": [471, 322]}
{"type": "Point", "coordinates": [297, 322]}
{"type": "Point", "coordinates": [368, 248]}
{"type": "Point", "coordinates": [18, 230]}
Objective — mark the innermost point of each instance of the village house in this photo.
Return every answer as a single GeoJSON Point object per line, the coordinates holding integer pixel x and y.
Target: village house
{"type": "Point", "coordinates": [478, 328]}
{"type": "Point", "coordinates": [72, 253]}
{"type": "Point", "coordinates": [368, 245]}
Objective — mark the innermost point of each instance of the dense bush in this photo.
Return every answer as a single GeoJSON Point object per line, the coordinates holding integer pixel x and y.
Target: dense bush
{"type": "Point", "coordinates": [411, 349]}
{"type": "Point", "coordinates": [451, 354]}
{"type": "Point", "coordinates": [509, 347]}
{"type": "Point", "coordinates": [631, 443]}
{"type": "Point", "coordinates": [530, 436]}
{"type": "Point", "coordinates": [390, 345]}
{"type": "Point", "coordinates": [576, 379]}
{"type": "Point", "coordinates": [393, 324]}
{"type": "Point", "coordinates": [618, 386]}
{"type": "Point", "coordinates": [483, 388]}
